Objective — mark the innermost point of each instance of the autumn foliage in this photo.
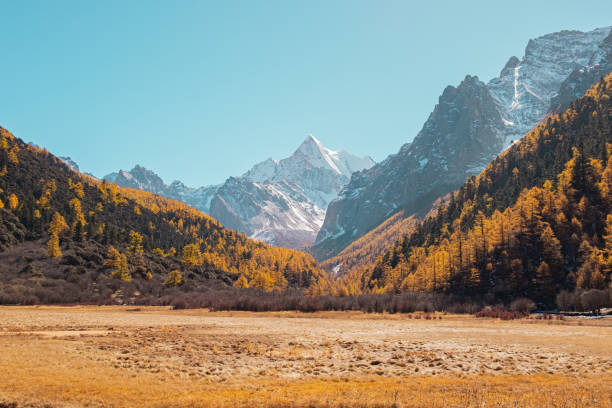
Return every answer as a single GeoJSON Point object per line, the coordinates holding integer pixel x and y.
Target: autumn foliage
{"type": "Point", "coordinates": [57, 204]}
{"type": "Point", "coordinates": [536, 221]}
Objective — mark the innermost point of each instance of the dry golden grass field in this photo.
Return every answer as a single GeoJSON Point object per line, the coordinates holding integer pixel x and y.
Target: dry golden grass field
{"type": "Point", "coordinates": [156, 357]}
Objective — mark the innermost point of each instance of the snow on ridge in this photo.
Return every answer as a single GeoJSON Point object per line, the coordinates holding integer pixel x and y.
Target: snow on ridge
{"type": "Point", "coordinates": [525, 87]}
{"type": "Point", "coordinates": [284, 202]}
{"type": "Point", "coordinates": [321, 172]}
{"type": "Point", "coordinates": [339, 161]}
{"type": "Point", "coordinates": [515, 99]}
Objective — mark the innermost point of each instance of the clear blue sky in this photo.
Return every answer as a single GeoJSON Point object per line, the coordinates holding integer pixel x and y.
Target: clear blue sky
{"type": "Point", "coordinates": [201, 90]}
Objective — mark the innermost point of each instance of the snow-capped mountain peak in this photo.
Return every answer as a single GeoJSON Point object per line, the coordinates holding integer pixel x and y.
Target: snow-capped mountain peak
{"type": "Point", "coordinates": [525, 87]}
{"type": "Point", "coordinates": [310, 146]}
{"type": "Point", "coordinates": [312, 153]}
{"type": "Point", "coordinates": [282, 202]}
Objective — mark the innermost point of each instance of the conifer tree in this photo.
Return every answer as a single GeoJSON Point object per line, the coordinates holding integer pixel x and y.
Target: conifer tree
{"type": "Point", "coordinates": [13, 202]}
{"type": "Point", "coordinates": [122, 271]}
{"type": "Point", "coordinates": [241, 282]}
{"type": "Point", "coordinates": [58, 224]}
{"type": "Point", "coordinates": [192, 255]}
{"type": "Point", "coordinates": [135, 246]}
{"type": "Point", "coordinates": [262, 280]}
{"type": "Point", "coordinates": [79, 232]}
{"type": "Point", "coordinates": [113, 257]}
{"type": "Point", "coordinates": [53, 249]}
{"type": "Point", "coordinates": [174, 278]}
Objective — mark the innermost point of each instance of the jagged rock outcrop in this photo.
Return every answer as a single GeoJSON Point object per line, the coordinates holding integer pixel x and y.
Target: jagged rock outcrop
{"type": "Point", "coordinates": [583, 78]}
{"type": "Point", "coordinates": [463, 133]}
{"type": "Point", "coordinates": [70, 162]}
{"type": "Point", "coordinates": [525, 87]}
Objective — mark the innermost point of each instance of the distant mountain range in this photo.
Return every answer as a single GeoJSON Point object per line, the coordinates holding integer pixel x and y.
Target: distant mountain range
{"type": "Point", "coordinates": [145, 179]}
{"type": "Point", "coordinates": [281, 202]}
{"type": "Point", "coordinates": [470, 125]}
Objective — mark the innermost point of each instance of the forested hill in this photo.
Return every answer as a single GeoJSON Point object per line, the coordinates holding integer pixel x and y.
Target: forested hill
{"type": "Point", "coordinates": [536, 221]}
{"type": "Point", "coordinates": [60, 223]}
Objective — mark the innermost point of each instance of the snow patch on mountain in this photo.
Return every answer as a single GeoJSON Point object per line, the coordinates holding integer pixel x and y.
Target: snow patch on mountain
{"type": "Point", "coordinates": [525, 87]}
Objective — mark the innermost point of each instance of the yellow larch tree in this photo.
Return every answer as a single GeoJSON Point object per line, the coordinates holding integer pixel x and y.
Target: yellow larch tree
{"type": "Point", "coordinates": [53, 249]}
{"type": "Point", "coordinates": [192, 255]}
{"type": "Point", "coordinates": [174, 278]}
{"type": "Point", "coordinates": [241, 282]}
{"type": "Point", "coordinates": [13, 202]}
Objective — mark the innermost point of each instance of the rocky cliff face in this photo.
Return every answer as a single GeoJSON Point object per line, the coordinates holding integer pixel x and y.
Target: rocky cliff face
{"type": "Point", "coordinates": [525, 87]}
{"type": "Point", "coordinates": [463, 133]}
{"type": "Point", "coordinates": [470, 125]}
{"type": "Point", "coordinates": [281, 202]}
{"type": "Point", "coordinates": [581, 79]}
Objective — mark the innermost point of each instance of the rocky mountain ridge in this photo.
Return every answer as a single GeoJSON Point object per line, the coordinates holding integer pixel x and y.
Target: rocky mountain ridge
{"type": "Point", "coordinates": [469, 126]}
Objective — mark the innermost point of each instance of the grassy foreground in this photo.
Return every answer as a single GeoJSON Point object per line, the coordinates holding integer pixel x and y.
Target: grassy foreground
{"type": "Point", "coordinates": [87, 389]}
{"type": "Point", "coordinates": [154, 357]}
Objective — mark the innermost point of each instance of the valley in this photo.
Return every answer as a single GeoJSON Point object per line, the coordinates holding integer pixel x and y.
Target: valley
{"type": "Point", "coordinates": [452, 250]}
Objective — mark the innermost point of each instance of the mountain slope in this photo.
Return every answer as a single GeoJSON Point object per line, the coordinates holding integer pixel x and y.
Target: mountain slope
{"type": "Point", "coordinates": [536, 221]}
{"type": "Point", "coordinates": [58, 225]}
{"type": "Point", "coordinates": [281, 202]}
{"type": "Point", "coordinates": [470, 125]}
{"type": "Point", "coordinates": [365, 251]}
{"type": "Point", "coordinates": [463, 133]}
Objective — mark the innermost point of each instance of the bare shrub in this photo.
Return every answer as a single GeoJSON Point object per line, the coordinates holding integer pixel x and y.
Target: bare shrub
{"type": "Point", "coordinates": [565, 300]}
{"type": "Point", "coordinates": [294, 299]}
{"type": "Point", "coordinates": [500, 313]}
{"type": "Point", "coordinates": [523, 305]}
{"type": "Point", "coordinates": [594, 300]}
{"type": "Point", "coordinates": [464, 308]}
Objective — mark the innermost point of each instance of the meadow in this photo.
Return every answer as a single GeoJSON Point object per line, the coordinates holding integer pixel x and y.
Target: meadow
{"type": "Point", "coordinates": [113, 356]}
